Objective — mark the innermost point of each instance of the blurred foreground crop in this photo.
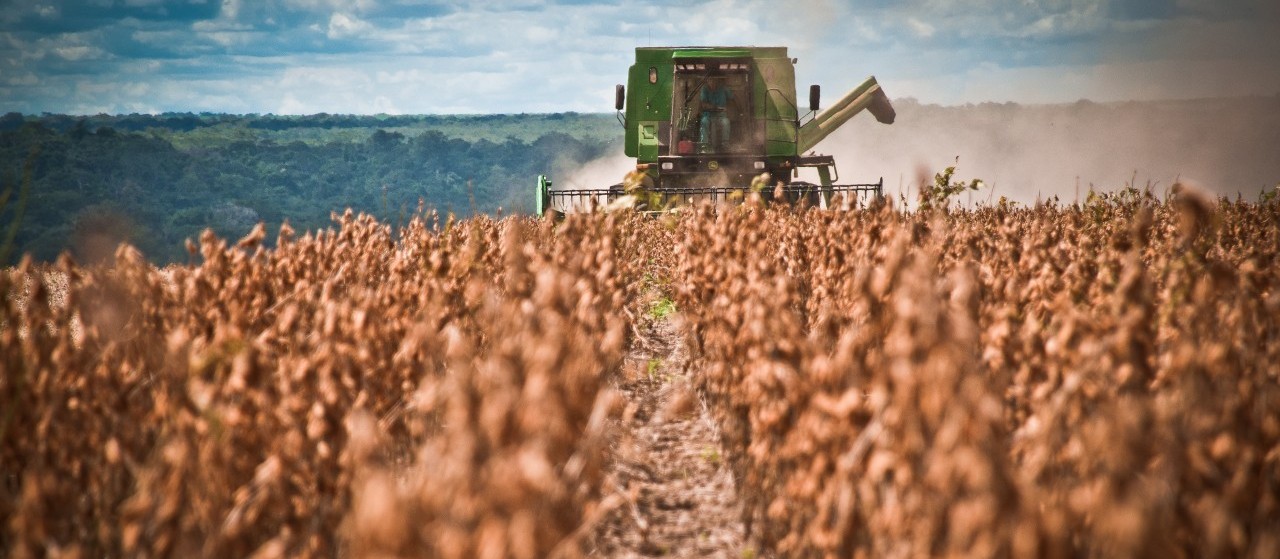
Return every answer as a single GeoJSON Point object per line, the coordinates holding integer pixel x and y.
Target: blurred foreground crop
{"type": "Point", "coordinates": [1094, 380]}
{"type": "Point", "coordinates": [1097, 380]}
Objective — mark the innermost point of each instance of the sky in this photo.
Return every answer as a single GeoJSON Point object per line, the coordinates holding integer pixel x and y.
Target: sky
{"type": "Point", "coordinates": [512, 56]}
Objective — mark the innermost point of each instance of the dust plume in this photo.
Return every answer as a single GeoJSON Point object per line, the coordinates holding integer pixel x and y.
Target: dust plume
{"type": "Point", "coordinates": [1030, 152]}
{"type": "Point", "coordinates": [596, 174]}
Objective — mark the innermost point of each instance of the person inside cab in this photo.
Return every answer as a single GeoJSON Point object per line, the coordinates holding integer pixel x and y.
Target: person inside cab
{"type": "Point", "coordinates": [714, 129]}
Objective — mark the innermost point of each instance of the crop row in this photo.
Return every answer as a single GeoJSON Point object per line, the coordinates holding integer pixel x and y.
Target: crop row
{"type": "Point", "coordinates": [1095, 380]}
{"type": "Point", "coordinates": [1092, 380]}
{"type": "Point", "coordinates": [433, 391]}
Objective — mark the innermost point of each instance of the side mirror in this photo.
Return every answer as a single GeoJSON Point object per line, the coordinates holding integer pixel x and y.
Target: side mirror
{"type": "Point", "coordinates": [815, 93]}
{"type": "Point", "coordinates": [619, 96]}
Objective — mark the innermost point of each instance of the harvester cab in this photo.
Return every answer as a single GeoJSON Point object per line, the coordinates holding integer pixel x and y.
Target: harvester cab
{"type": "Point", "coordinates": [708, 123]}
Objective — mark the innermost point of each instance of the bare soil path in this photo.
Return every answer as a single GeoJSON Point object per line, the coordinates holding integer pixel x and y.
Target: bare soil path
{"type": "Point", "coordinates": [679, 494]}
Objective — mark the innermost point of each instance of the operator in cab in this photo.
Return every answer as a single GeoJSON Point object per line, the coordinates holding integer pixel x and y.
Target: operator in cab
{"type": "Point", "coordinates": [714, 129]}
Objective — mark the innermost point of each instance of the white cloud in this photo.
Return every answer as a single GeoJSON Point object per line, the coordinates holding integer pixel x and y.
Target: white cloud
{"type": "Point", "coordinates": [230, 10]}
{"type": "Point", "coordinates": [342, 26]}
{"type": "Point", "coordinates": [920, 28]}
{"type": "Point", "coordinates": [79, 52]}
{"type": "Point", "coordinates": [219, 25]}
{"type": "Point", "coordinates": [333, 5]}
{"type": "Point", "coordinates": [1086, 20]}
{"type": "Point", "coordinates": [290, 105]}
{"type": "Point", "coordinates": [521, 55]}
{"type": "Point", "coordinates": [381, 104]}
{"type": "Point", "coordinates": [331, 89]}
{"type": "Point", "coordinates": [228, 38]}
{"type": "Point", "coordinates": [26, 78]}
{"type": "Point", "coordinates": [538, 34]}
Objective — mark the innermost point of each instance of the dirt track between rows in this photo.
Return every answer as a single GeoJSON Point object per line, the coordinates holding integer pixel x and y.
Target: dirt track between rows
{"type": "Point", "coordinates": [678, 497]}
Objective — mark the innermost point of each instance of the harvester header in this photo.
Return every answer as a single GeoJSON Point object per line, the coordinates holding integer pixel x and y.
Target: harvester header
{"type": "Point", "coordinates": [711, 122]}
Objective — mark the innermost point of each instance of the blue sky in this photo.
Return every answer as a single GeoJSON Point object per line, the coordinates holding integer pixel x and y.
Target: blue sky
{"type": "Point", "coordinates": [446, 56]}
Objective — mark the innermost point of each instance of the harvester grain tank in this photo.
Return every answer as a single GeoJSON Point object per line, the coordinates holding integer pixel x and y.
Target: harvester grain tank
{"type": "Point", "coordinates": [710, 122]}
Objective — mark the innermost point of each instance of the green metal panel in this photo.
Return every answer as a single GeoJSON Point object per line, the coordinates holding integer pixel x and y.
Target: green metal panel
{"type": "Point", "coordinates": [541, 199]}
{"type": "Point", "coordinates": [775, 83]}
{"type": "Point", "coordinates": [824, 176]}
{"type": "Point", "coordinates": [648, 152]}
{"type": "Point", "coordinates": [647, 102]}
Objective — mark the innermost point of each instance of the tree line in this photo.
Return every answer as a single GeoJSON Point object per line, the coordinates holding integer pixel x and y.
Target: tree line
{"type": "Point", "coordinates": [157, 180]}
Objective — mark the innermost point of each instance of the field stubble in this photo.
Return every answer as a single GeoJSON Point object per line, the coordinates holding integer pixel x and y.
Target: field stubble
{"type": "Point", "coordinates": [1093, 380]}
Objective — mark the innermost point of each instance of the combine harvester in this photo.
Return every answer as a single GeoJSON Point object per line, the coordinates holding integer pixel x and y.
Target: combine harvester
{"type": "Point", "coordinates": [708, 123]}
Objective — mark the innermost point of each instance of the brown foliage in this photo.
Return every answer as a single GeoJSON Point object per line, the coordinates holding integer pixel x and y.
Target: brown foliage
{"type": "Point", "coordinates": [436, 392]}
{"type": "Point", "coordinates": [1095, 380]}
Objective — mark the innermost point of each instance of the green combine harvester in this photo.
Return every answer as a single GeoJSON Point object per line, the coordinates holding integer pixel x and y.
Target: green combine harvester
{"type": "Point", "coordinates": [707, 123]}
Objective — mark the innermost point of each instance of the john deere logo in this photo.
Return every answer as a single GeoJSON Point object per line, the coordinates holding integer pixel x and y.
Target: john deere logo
{"type": "Point", "coordinates": [713, 165]}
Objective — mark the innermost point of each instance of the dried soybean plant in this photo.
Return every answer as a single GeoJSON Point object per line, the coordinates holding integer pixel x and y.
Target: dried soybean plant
{"type": "Point", "coordinates": [1089, 380]}
{"type": "Point", "coordinates": [441, 384]}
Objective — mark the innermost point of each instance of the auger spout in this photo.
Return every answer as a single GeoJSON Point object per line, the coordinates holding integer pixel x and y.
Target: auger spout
{"type": "Point", "coordinates": [868, 96]}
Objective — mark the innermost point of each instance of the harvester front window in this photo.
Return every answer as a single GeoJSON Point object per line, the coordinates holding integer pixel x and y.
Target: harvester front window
{"type": "Point", "coordinates": [711, 108]}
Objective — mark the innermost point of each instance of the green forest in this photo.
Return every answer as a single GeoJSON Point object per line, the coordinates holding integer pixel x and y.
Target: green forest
{"type": "Point", "coordinates": [83, 184]}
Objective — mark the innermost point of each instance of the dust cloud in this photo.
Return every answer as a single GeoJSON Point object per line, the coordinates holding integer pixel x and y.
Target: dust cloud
{"type": "Point", "coordinates": [1030, 152]}
{"type": "Point", "coordinates": [596, 174]}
